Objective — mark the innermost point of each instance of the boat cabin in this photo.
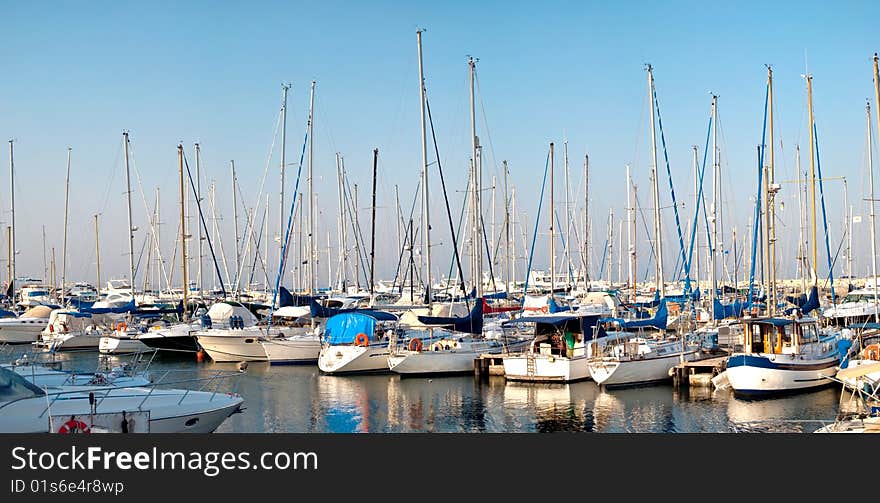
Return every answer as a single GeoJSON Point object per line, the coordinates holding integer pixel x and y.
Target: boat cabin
{"type": "Point", "coordinates": [778, 335]}
{"type": "Point", "coordinates": [560, 336]}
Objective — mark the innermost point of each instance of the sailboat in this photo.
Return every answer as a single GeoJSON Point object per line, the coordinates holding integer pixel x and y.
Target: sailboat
{"type": "Point", "coordinates": [638, 357]}
{"type": "Point", "coordinates": [783, 354]}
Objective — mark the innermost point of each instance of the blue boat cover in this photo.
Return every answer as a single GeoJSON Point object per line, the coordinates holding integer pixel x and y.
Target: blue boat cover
{"type": "Point", "coordinates": [7, 314]}
{"type": "Point", "coordinates": [343, 328]}
{"type": "Point", "coordinates": [658, 321]}
{"type": "Point", "coordinates": [732, 310]}
{"type": "Point", "coordinates": [809, 304]}
{"type": "Point", "coordinates": [105, 310]}
{"type": "Point", "coordinates": [471, 324]}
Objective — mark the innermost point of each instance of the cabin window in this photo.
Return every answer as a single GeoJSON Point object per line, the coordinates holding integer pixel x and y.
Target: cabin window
{"type": "Point", "coordinates": [808, 334]}
{"type": "Point", "coordinates": [757, 338]}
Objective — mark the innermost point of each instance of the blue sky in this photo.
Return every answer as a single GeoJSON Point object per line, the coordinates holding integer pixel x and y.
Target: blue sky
{"type": "Point", "coordinates": [77, 74]}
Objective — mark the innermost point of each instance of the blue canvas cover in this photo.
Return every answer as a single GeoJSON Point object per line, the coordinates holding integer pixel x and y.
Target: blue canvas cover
{"type": "Point", "coordinates": [105, 310]}
{"type": "Point", "coordinates": [343, 328]}
{"type": "Point", "coordinates": [658, 321]}
{"type": "Point", "coordinates": [471, 324]}
{"type": "Point", "coordinates": [732, 310]}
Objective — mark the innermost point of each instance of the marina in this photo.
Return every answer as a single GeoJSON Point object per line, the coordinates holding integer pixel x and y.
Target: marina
{"type": "Point", "coordinates": [439, 242]}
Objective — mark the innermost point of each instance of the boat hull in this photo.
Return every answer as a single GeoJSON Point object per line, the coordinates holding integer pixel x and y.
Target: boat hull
{"type": "Point", "coordinates": [613, 372]}
{"type": "Point", "coordinates": [21, 331]}
{"type": "Point", "coordinates": [547, 368]}
{"type": "Point", "coordinates": [232, 348]}
{"type": "Point", "coordinates": [345, 359]}
{"type": "Point", "coordinates": [111, 345]}
{"type": "Point", "coordinates": [759, 375]}
{"type": "Point", "coordinates": [294, 351]}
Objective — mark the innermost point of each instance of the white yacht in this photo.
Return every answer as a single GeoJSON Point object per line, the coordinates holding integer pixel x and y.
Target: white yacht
{"type": "Point", "coordinates": [233, 335]}
{"type": "Point", "coordinates": [26, 328]}
{"type": "Point", "coordinates": [857, 307]}
{"type": "Point", "coordinates": [633, 359]}
{"type": "Point", "coordinates": [558, 351]}
{"type": "Point", "coordinates": [357, 342]}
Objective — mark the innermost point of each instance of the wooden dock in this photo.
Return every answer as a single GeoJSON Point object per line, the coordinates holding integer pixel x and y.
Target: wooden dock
{"type": "Point", "coordinates": [699, 373]}
{"type": "Point", "coordinates": [489, 365]}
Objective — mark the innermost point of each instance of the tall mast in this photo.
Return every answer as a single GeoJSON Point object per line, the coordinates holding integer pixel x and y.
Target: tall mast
{"type": "Point", "coordinates": [871, 171]}
{"type": "Point", "coordinates": [97, 254]}
{"type": "Point", "coordinates": [64, 245]}
{"type": "Point", "coordinates": [199, 205]}
{"type": "Point", "coordinates": [771, 201]}
{"type": "Point", "coordinates": [658, 241]}
{"type": "Point", "coordinates": [284, 89]}
{"type": "Point", "coordinates": [586, 253]}
{"type": "Point", "coordinates": [697, 220]}
{"type": "Point", "coordinates": [235, 223]}
{"type": "Point", "coordinates": [313, 251]}
{"type": "Point", "coordinates": [12, 227]}
{"type": "Point", "coordinates": [373, 229]}
{"type": "Point", "coordinates": [631, 235]}
{"type": "Point", "coordinates": [802, 245]}
{"type": "Point", "coordinates": [871, 202]}
{"type": "Point", "coordinates": [713, 262]}
{"type": "Point", "coordinates": [552, 237]}
{"type": "Point", "coordinates": [568, 242]}
{"type": "Point", "coordinates": [45, 265]}
{"type": "Point", "coordinates": [426, 229]}
{"type": "Point", "coordinates": [357, 241]}
{"type": "Point", "coordinates": [620, 252]}
{"type": "Point", "coordinates": [477, 209]}
{"type": "Point", "coordinates": [813, 237]}
{"type": "Point", "coordinates": [342, 227]}
{"type": "Point", "coordinates": [183, 229]}
{"type": "Point", "coordinates": [130, 225]}
{"type": "Point", "coordinates": [507, 257]}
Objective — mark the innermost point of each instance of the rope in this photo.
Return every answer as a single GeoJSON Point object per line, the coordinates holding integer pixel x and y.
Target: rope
{"type": "Point", "coordinates": [535, 234]}
{"type": "Point", "coordinates": [824, 216]}
{"type": "Point", "coordinates": [690, 256]}
{"type": "Point", "coordinates": [758, 202]}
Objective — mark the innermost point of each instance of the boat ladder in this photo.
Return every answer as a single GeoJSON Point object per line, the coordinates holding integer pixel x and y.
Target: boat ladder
{"type": "Point", "coordinates": [530, 365]}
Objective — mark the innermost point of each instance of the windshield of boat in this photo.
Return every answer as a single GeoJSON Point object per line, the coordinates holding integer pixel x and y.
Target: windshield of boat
{"type": "Point", "coordinates": [14, 386]}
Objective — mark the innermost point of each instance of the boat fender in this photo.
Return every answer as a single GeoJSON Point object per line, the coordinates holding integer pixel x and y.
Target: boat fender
{"type": "Point", "coordinates": [74, 426]}
{"type": "Point", "coordinates": [415, 344]}
{"type": "Point", "coordinates": [361, 339]}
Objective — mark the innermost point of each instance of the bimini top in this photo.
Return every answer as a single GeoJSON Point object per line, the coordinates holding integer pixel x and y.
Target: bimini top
{"type": "Point", "coordinates": [344, 328]}
{"type": "Point", "coordinates": [868, 325]}
{"type": "Point", "coordinates": [776, 322]}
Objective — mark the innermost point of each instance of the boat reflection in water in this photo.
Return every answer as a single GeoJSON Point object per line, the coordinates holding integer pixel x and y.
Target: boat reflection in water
{"type": "Point", "coordinates": [546, 407]}
{"type": "Point", "coordinates": [793, 413]}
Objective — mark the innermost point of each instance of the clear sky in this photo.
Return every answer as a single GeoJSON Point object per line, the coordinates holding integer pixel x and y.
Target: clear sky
{"type": "Point", "coordinates": [76, 74]}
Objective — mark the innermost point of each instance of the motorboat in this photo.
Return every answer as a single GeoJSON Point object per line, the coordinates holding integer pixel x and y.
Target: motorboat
{"type": "Point", "coordinates": [26, 328]}
{"type": "Point", "coordinates": [28, 408]}
{"type": "Point", "coordinates": [357, 342]}
{"type": "Point", "coordinates": [558, 350]}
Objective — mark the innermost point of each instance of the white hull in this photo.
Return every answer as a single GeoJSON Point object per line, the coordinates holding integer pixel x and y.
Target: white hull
{"type": "Point", "coordinates": [21, 330]}
{"type": "Point", "coordinates": [72, 341]}
{"type": "Point", "coordinates": [453, 361]}
{"type": "Point", "coordinates": [610, 371]}
{"type": "Point", "coordinates": [232, 346]}
{"type": "Point", "coordinates": [351, 358]}
{"type": "Point", "coordinates": [759, 380]}
{"type": "Point", "coordinates": [547, 368]}
{"type": "Point", "coordinates": [294, 350]}
{"type": "Point", "coordinates": [112, 345]}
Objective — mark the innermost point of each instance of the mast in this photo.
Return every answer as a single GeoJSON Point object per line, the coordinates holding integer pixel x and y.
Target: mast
{"type": "Point", "coordinates": [697, 220]}
{"type": "Point", "coordinates": [284, 89]}
{"type": "Point", "coordinates": [199, 204]}
{"type": "Point", "coordinates": [552, 237]}
{"type": "Point", "coordinates": [313, 251]}
{"type": "Point", "coordinates": [771, 201]}
{"type": "Point", "coordinates": [813, 238]}
{"type": "Point", "coordinates": [373, 225]}
{"type": "Point", "coordinates": [45, 265]}
{"type": "Point", "coordinates": [12, 227]}
{"type": "Point", "coordinates": [97, 254]}
{"type": "Point", "coordinates": [631, 235]}
{"type": "Point", "coordinates": [507, 257]}
{"type": "Point", "coordinates": [183, 229]}
{"type": "Point", "coordinates": [713, 262]}
{"type": "Point", "coordinates": [661, 285]}
{"type": "Point", "coordinates": [477, 209]}
{"type": "Point", "coordinates": [235, 223]}
{"type": "Point", "coordinates": [610, 252]}
{"type": "Point", "coordinates": [357, 241]}
{"type": "Point", "coordinates": [620, 252]}
{"type": "Point", "coordinates": [130, 225]}
{"type": "Point", "coordinates": [586, 253]}
{"type": "Point", "coordinates": [802, 245]}
{"type": "Point", "coordinates": [426, 228]}
{"type": "Point", "coordinates": [64, 245]}
{"type": "Point", "coordinates": [9, 259]}
{"type": "Point", "coordinates": [871, 171]}
{"type": "Point", "coordinates": [342, 226]}
{"type": "Point", "coordinates": [568, 242]}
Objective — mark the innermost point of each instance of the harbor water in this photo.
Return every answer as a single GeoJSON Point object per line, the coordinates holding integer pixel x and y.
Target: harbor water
{"type": "Point", "coordinates": [301, 399]}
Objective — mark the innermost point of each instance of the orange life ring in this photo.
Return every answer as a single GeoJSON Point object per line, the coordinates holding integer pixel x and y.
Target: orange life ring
{"type": "Point", "coordinates": [415, 344]}
{"type": "Point", "coordinates": [545, 309]}
{"type": "Point", "coordinates": [74, 426]}
{"type": "Point", "coordinates": [121, 326]}
{"type": "Point", "coordinates": [872, 352]}
{"type": "Point", "coordinates": [361, 339]}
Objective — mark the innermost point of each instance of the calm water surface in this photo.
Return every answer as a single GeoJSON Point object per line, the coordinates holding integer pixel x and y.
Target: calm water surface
{"type": "Point", "coordinates": [300, 399]}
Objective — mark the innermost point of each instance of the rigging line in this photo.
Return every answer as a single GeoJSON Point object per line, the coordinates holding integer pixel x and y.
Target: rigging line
{"type": "Point", "coordinates": [535, 234]}
{"type": "Point", "coordinates": [641, 211]}
{"type": "Point", "coordinates": [286, 241]}
{"type": "Point", "coordinates": [137, 175]}
{"type": "Point", "coordinates": [458, 229]}
{"type": "Point", "coordinates": [407, 225]}
{"type": "Point", "coordinates": [671, 188]}
{"type": "Point", "coordinates": [758, 201]}
{"type": "Point", "coordinates": [486, 123]}
{"type": "Point", "coordinates": [205, 228]}
{"type": "Point", "coordinates": [110, 182]}
{"type": "Point", "coordinates": [700, 202]}
{"type": "Point", "coordinates": [824, 216]}
{"type": "Point", "coordinates": [358, 236]}
{"type": "Point", "coordinates": [564, 245]}
{"type": "Point", "coordinates": [258, 255]}
{"type": "Point", "coordinates": [250, 225]}
{"type": "Point", "coordinates": [445, 196]}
